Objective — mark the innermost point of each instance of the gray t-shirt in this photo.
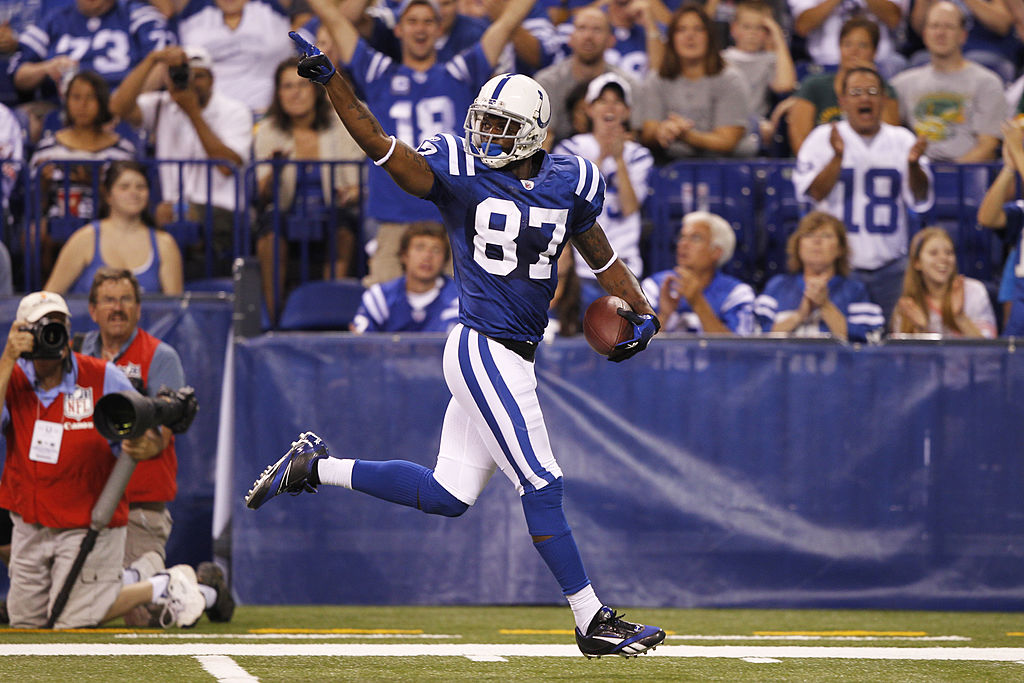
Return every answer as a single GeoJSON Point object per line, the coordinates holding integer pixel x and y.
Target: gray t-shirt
{"type": "Point", "coordinates": [710, 102]}
{"type": "Point", "coordinates": [758, 71]}
{"type": "Point", "coordinates": [558, 81]}
{"type": "Point", "coordinates": [951, 109]}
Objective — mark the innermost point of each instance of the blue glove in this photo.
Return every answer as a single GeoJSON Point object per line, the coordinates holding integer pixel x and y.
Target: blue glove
{"type": "Point", "coordinates": [314, 64]}
{"type": "Point", "coordinates": [644, 327]}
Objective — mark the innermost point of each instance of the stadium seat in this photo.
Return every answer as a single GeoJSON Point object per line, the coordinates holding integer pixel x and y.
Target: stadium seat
{"type": "Point", "coordinates": [780, 214]}
{"type": "Point", "coordinates": [211, 284]}
{"type": "Point", "coordinates": [322, 305]}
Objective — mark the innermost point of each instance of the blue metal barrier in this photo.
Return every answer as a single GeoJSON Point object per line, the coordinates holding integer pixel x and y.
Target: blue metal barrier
{"type": "Point", "coordinates": [70, 204]}
{"type": "Point", "coordinates": [312, 225]}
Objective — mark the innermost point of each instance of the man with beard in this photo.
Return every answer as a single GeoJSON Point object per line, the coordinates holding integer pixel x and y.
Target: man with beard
{"type": "Point", "coordinates": [867, 173]}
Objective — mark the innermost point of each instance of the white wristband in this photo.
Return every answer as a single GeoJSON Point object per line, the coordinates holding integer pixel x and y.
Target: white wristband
{"type": "Point", "coordinates": [384, 159]}
{"type": "Point", "coordinates": [605, 266]}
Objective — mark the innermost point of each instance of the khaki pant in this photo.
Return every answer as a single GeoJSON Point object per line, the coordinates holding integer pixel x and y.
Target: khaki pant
{"type": "Point", "coordinates": [147, 530]}
{"type": "Point", "coordinates": [40, 561]}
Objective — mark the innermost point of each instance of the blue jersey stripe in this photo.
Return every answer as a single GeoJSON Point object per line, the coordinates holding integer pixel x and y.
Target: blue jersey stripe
{"type": "Point", "coordinates": [481, 401]}
{"type": "Point", "coordinates": [515, 414]}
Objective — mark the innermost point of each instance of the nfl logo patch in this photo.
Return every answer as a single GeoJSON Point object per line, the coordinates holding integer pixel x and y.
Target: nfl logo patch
{"type": "Point", "coordinates": [78, 405]}
{"type": "Point", "coordinates": [528, 184]}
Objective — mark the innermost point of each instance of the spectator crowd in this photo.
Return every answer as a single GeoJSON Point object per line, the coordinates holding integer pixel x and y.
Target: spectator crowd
{"type": "Point", "coordinates": [167, 137]}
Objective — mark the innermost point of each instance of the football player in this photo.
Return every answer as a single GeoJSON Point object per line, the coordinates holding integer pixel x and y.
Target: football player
{"type": "Point", "coordinates": [509, 209]}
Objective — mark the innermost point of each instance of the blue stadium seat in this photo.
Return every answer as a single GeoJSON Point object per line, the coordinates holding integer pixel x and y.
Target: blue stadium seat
{"type": "Point", "coordinates": [780, 214]}
{"type": "Point", "coordinates": [322, 305]}
{"type": "Point", "coordinates": [211, 284]}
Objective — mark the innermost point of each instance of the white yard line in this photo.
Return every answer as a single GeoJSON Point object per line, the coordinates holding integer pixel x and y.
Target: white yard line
{"type": "Point", "coordinates": [471, 650]}
{"type": "Point", "coordinates": [806, 637]}
{"type": "Point", "coordinates": [225, 669]}
{"type": "Point", "coordinates": [286, 636]}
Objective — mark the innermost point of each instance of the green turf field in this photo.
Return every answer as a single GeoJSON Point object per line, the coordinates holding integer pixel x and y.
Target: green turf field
{"type": "Point", "coordinates": [528, 643]}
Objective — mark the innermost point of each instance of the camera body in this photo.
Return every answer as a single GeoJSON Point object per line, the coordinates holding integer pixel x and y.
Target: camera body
{"type": "Point", "coordinates": [179, 76]}
{"type": "Point", "coordinates": [51, 338]}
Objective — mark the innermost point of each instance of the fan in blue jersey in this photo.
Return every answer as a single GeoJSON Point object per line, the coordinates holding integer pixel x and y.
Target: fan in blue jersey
{"type": "Point", "coordinates": [415, 98]}
{"type": "Point", "coordinates": [421, 300]}
{"type": "Point", "coordinates": [999, 212]}
{"type": "Point", "coordinates": [509, 209]}
{"type": "Point", "coordinates": [695, 296]}
{"type": "Point", "coordinates": [817, 297]}
{"type": "Point", "coordinates": [105, 36]}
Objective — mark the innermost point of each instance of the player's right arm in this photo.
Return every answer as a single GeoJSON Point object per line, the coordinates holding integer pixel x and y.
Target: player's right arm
{"type": "Point", "coordinates": [409, 170]}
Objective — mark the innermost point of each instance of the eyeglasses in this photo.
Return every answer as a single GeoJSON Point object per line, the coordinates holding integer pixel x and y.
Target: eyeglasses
{"type": "Point", "coordinates": [110, 302]}
{"type": "Point", "coordinates": [857, 92]}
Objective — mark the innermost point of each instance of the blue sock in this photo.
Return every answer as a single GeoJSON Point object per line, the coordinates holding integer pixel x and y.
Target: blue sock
{"type": "Point", "coordinates": [405, 483]}
{"type": "Point", "coordinates": [545, 517]}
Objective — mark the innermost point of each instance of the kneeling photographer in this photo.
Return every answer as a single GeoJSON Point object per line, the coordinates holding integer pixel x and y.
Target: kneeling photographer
{"type": "Point", "coordinates": [57, 465]}
{"type": "Point", "coordinates": [155, 369]}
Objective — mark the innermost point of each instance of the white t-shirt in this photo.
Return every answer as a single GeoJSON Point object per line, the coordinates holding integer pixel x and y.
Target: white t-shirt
{"type": "Point", "coordinates": [873, 190]}
{"type": "Point", "coordinates": [623, 232]}
{"type": "Point", "coordinates": [977, 308]}
{"type": "Point", "coordinates": [244, 59]}
{"type": "Point", "coordinates": [175, 138]}
{"type": "Point", "coordinates": [823, 42]}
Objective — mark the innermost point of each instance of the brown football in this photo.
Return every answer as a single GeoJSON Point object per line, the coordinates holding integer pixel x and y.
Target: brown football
{"type": "Point", "coordinates": [603, 327]}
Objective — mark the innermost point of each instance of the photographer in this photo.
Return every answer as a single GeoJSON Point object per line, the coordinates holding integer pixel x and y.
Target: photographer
{"type": "Point", "coordinates": [149, 364]}
{"type": "Point", "coordinates": [57, 465]}
{"type": "Point", "coordinates": [191, 120]}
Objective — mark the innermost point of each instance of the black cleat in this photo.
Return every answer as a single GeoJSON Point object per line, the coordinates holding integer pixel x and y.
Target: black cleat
{"type": "Point", "coordinates": [209, 574]}
{"type": "Point", "coordinates": [293, 473]}
{"type": "Point", "coordinates": [608, 634]}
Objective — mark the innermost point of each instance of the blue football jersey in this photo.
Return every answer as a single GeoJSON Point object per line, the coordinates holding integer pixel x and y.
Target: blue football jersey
{"type": "Point", "coordinates": [785, 292]}
{"type": "Point", "coordinates": [1014, 236]}
{"type": "Point", "coordinates": [111, 45]}
{"type": "Point", "coordinates": [506, 234]}
{"type": "Point", "coordinates": [413, 105]}
{"type": "Point", "coordinates": [386, 308]}
{"type": "Point", "coordinates": [731, 299]}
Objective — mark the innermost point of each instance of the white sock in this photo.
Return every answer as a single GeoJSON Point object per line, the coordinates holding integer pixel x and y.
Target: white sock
{"type": "Point", "coordinates": [129, 575]}
{"type": "Point", "coordinates": [159, 582]}
{"type": "Point", "coordinates": [584, 606]}
{"type": "Point", "coordinates": [335, 471]}
{"type": "Point", "coordinates": [210, 593]}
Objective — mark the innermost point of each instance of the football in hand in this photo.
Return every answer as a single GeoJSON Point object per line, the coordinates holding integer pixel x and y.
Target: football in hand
{"type": "Point", "coordinates": [603, 327]}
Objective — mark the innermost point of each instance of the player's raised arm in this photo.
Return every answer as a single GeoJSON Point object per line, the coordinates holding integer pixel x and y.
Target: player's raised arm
{"type": "Point", "coordinates": [618, 280]}
{"type": "Point", "coordinates": [408, 168]}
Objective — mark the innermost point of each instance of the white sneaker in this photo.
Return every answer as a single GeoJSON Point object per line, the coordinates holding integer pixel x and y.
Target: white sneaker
{"type": "Point", "coordinates": [148, 565]}
{"type": "Point", "coordinates": [183, 602]}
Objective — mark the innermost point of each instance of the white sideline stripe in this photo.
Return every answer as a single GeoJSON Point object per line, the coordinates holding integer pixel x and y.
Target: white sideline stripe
{"type": "Point", "coordinates": [804, 637]}
{"type": "Point", "coordinates": [486, 658]}
{"type": "Point", "coordinates": [287, 636]}
{"type": "Point", "coordinates": [978, 654]}
{"type": "Point", "coordinates": [225, 669]}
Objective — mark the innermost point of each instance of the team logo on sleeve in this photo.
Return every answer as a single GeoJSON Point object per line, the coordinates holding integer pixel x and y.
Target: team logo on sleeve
{"type": "Point", "coordinates": [427, 148]}
{"type": "Point", "coordinates": [78, 404]}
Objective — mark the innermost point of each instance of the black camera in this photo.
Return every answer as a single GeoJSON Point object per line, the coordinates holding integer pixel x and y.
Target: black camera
{"type": "Point", "coordinates": [51, 338]}
{"type": "Point", "coordinates": [179, 76]}
{"type": "Point", "coordinates": [127, 415]}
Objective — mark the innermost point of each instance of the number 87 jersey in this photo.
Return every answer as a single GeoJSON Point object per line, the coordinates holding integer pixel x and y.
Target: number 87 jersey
{"type": "Point", "coordinates": [507, 234]}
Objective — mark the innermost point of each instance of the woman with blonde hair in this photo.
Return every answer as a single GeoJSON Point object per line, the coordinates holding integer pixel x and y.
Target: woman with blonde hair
{"type": "Point", "coordinates": [817, 297]}
{"type": "Point", "coordinates": [936, 299]}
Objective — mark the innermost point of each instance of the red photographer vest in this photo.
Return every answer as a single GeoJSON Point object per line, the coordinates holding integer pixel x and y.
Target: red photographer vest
{"type": "Point", "coordinates": [61, 494]}
{"type": "Point", "coordinates": [154, 480]}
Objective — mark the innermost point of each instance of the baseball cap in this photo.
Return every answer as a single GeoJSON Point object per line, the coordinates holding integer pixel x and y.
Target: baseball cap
{"type": "Point", "coordinates": [198, 57]}
{"type": "Point", "coordinates": [37, 304]}
{"type": "Point", "coordinates": [599, 83]}
{"type": "Point", "coordinates": [406, 4]}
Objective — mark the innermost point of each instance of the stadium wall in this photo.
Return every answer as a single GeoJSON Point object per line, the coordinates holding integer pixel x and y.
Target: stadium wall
{"type": "Point", "coordinates": [719, 473]}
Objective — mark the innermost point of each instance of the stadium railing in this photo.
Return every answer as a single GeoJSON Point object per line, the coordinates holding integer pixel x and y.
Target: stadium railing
{"type": "Point", "coordinates": [756, 197]}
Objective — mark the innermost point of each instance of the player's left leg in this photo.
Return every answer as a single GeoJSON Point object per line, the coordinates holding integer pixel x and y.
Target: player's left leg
{"type": "Point", "coordinates": [497, 389]}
